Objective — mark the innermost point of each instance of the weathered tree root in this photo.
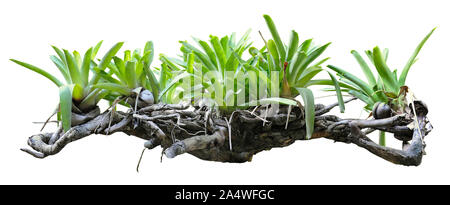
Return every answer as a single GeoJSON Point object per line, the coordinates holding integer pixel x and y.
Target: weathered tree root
{"type": "Point", "coordinates": [205, 134]}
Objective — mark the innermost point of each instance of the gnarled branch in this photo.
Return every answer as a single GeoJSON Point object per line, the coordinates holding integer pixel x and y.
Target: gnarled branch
{"type": "Point", "coordinates": [186, 129]}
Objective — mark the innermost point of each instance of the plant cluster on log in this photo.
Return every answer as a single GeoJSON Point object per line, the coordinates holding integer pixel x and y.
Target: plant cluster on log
{"type": "Point", "coordinates": [182, 128]}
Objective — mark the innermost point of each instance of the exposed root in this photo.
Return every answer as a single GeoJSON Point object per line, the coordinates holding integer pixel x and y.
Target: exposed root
{"type": "Point", "coordinates": [202, 132]}
{"type": "Point", "coordinates": [56, 135]}
{"type": "Point", "coordinates": [48, 119]}
{"type": "Point", "coordinates": [229, 132]}
{"type": "Point", "coordinates": [409, 155]}
{"type": "Point", "coordinates": [329, 107]}
{"type": "Point", "coordinates": [196, 143]}
{"type": "Point", "coordinates": [140, 158]}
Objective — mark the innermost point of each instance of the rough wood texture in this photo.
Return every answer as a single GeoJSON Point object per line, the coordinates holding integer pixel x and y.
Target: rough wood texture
{"type": "Point", "coordinates": [208, 135]}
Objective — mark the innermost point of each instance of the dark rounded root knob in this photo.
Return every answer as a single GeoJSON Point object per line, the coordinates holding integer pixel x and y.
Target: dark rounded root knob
{"type": "Point", "coordinates": [147, 97]}
{"type": "Point", "coordinates": [421, 107]}
{"type": "Point", "coordinates": [381, 110]}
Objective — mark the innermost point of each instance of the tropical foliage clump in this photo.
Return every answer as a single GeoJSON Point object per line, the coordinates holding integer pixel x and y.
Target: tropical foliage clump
{"type": "Point", "coordinates": [78, 93]}
{"type": "Point", "coordinates": [227, 73]}
{"type": "Point", "coordinates": [384, 88]}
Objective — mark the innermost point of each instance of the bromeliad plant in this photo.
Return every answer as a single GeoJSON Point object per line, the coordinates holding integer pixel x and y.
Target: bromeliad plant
{"type": "Point", "coordinates": [384, 94]}
{"type": "Point", "coordinates": [131, 77]}
{"type": "Point", "coordinates": [78, 94]}
{"type": "Point", "coordinates": [216, 74]}
{"type": "Point", "coordinates": [209, 66]}
{"type": "Point", "coordinates": [293, 62]}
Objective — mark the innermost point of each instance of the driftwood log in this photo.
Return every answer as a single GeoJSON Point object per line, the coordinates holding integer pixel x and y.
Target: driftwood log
{"type": "Point", "coordinates": [236, 137]}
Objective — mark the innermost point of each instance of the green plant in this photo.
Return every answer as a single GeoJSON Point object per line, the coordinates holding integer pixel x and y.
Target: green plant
{"type": "Point", "coordinates": [218, 75]}
{"type": "Point", "coordinates": [209, 67]}
{"type": "Point", "coordinates": [293, 61]}
{"type": "Point", "coordinates": [131, 74]}
{"type": "Point", "coordinates": [78, 92]}
{"type": "Point", "coordinates": [387, 87]}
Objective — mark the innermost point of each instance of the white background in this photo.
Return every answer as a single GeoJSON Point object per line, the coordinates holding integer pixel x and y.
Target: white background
{"type": "Point", "coordinates": [28, 28]}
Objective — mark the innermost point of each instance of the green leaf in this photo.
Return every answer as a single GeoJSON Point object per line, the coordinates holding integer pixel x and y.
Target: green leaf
{"type": "Point", "coordinates": [149, 48]}
{"type": "Point", "coordinates": [77, 92]}
{"type": "Point", "coordinates": [293, 45]}
{"type": "Point", "coordinates": [274, 52]}
{"type": "Point", "coordinates": [383, 70]}
{"type": "Point", "coordinates": [369, 55]}
{"type": "Point", "coordinates": [412, 59]}
{"type": "Point", "coordinates": [73, 68]}
{"type": "Point", "coordinates": [173, 82]}
{"type": "Point", "coordinates": [200, 55]}
{"type": "Point", "coordinates": [244, 38]}
{"type": "Point", "coordinates": [107, 76]}
{"type": "Point", "coordinates": [380, 87]}
{"type": "Point", "coordinates": [328, 82]}
{"type": "Point", "coordinates": [60, 54]}
{"type": "Point", "coordinates": [77, 58]}
{"type": "Point", "coordinates": [386, 54]}
{"type": "Point", "coordinates": [382, 138]}
{"type": "Point", "coordinates": [365, 68]}
{"type": "Point", "coordinates": [361, 84]}
{"type": "Point", "coordinates": [86, 66]}
{"type": "Point", "coordinates": [109, 55]}
{"type": "Point", "coordinates": [209, 51]}
{"type": "Point", "coordinates": [130, 74]}
{"type": "Point", "coordinates": [219, 51]}
{"type": "Point", "coordinates": [276, 37]}
{"type": "Point", "coordinates": [305, 45]}
{"type": "Point", "coordinates": [136, 54]}
{"type": "Point", "coordinates": [362, 97]}
{"type": "Point", "coordinates": [338, 93]}
{"type": "Point", "coordinates": [40, 71]}
{"type": "Point", "coordinates": [311, 57]}
{"type": "Point", "coordinates": [154, 84]}
{"type": "Point", "coordinates": [90, 99]}
{"type": "Point", "coordinates": [65, 104]}
{"type": "Point", "coordinates": [121, 89]}
{"type": "Point", "coordinates": [190, 63]}
{"type": "Point", "coordinates": [163, 76]}
{"type": "Point", "coordinates": [294, 66]}
{"type": "Point", "coordinates": [308, 99]}
{"type": "Point", "coordinates": [170, 65]}
{"type": "Point", "coordinates": [308, 75]}
{"type": "Point", "coordinates": [127, 55]}
{"type": "Point", "coordinates": [318, 64]}
{"type": "Point", "coordinates": [95, 50]}
{"type": "Point", "coordinates": [106, 60]}
{"type": "Point", "coordinates": [120, 67]}
{"type": "Point", "coordinates": [225, 41]}
{"type": "Point", "coordinates": [62, 68]}
{"type": "Point", "coordinates": [102, 95]}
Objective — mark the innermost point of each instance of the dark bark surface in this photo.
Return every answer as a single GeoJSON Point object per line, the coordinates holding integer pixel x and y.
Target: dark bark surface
{"type": "Point", "coordinates": [236, 137]}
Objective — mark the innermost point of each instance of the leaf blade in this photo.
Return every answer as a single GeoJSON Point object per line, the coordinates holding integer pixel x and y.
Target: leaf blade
{"type": "Point", "coordinates": [383, 70]}
{"type": "Point", "coordinates": [85, 67]}
{"type": "Point", "coordinates": [65, 104]}
{"type": "Point", "coordinates": [412, 59]}
{"type": "Point", "coordinates": [308, 99]}
{"type": "Point", "coordinates": [365, 68]}
{"type": "Point", "coordinates": [338, 93]}
{"type": "Point", "coordinates": [275, 36]}
{"type": "Point", "coordinates": [40, 71]}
